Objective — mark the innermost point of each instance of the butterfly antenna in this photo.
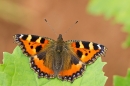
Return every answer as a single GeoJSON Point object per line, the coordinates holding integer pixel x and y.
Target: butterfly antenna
{"type": "Point", "coordinates": [50, 27]}
{"type": "Point", "coordinates": [71, 27]}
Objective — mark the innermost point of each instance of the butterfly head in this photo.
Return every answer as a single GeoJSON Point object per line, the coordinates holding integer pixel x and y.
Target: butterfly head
{"type": "Point", "coordinates": [60, 38]}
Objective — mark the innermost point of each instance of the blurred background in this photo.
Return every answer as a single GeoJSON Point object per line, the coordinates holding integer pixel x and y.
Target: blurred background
{"type": "Point", "coordinates": [101, 21]}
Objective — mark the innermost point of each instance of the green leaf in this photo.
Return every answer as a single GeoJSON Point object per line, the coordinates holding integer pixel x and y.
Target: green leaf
{"type": "Point", "coordinates": [16, 71]}
{"type": "Point", "coordinates": [3, 79]}
{"type": "Point", "coordinates": [122, 81]}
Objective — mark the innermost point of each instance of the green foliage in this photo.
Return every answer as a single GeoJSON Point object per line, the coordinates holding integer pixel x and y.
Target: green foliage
{"type": "Point", "coordinates": [117, 9]}
{"type": "Point", "coordinates": [122, 81]}
{"type": "Point", "coordinates": [16, 71]}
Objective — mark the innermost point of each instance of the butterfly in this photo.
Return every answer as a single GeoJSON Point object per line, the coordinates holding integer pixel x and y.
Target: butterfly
{"type": "Point", "coordinates": [65, 60]}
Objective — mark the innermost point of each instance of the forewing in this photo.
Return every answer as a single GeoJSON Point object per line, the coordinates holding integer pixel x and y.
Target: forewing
{"type": "Point", "coordinates": [85, 51]}
{"type": "Point", "coordinates": [32, 44]}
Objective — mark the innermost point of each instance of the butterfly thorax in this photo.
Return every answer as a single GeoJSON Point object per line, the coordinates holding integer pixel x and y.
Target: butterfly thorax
{"type": "Point", "coordinates": [58, 60]}
{"type": "Point", "coordinates": [59, 44]}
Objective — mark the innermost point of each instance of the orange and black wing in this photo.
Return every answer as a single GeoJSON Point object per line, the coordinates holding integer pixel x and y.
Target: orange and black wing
{"type": "Point", "coordinates": [35, 47]}
{"type": "Point", "coordinates": [72, 67]}
{"type": "Point", "coordinates": [76, 70]}
{"type": "Point", "coordinates": [80, 52]}
{"type": "Point", "coordinates": [32, 44]}
{"type": "Point", "coordinates": [86, 52]}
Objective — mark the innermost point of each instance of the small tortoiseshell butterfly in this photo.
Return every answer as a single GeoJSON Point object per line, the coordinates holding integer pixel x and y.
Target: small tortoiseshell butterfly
{"type": "Point", "coordinates": [63, 59]}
